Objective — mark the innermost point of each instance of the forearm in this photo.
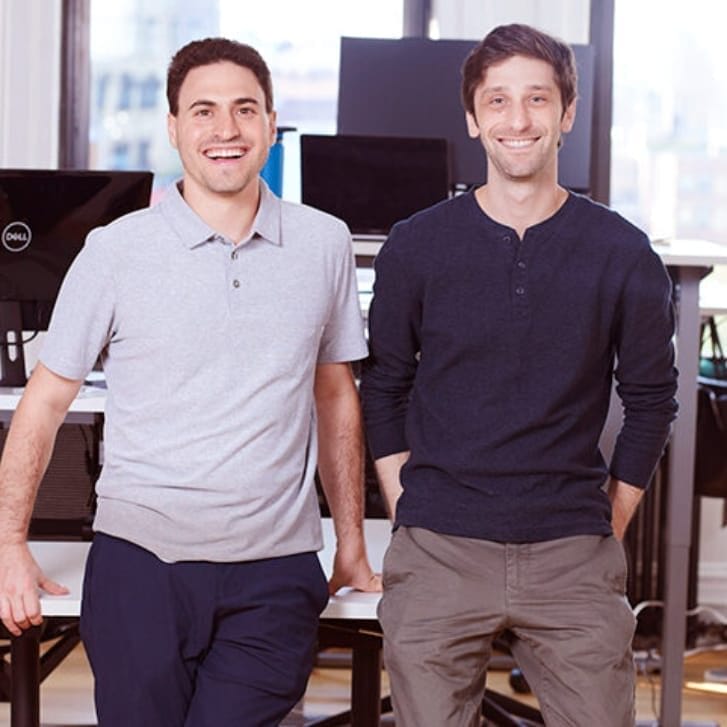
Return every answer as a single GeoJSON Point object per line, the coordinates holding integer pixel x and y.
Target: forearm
{"type": "Point", "coordinates": [27, 451]}
{"type": "Point", "coordinates": [25, 458]}
{"type": "Point", "coordinates": [625, 499]}
{"type": "Point", "coordinates": [388, 470]}
{"type": "Point", "coordinates": [340, 466]}
{"type": "Point", "coordinates": [340, 459]}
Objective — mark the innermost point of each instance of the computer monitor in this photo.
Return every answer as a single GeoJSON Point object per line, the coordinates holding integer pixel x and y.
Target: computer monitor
{"type": "Point", "coordinates": [411, 87]}
{"type": "Point", "coordinates": [45, 216]}
{"type": "Point", "coordinates": [371, 182]}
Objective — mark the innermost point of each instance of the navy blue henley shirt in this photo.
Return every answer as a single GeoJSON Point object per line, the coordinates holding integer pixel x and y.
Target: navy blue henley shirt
{"type": "Point", "coordinates": [492, 360]}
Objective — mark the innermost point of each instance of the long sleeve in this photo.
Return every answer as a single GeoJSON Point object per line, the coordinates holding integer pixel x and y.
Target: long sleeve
{"type": "Point", "coordinates": [394, 342]}
{"type": "Point", "coordinates": [645, 373]}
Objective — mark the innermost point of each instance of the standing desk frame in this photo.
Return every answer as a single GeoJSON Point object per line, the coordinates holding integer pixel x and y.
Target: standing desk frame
{"type": "Point", "coordinates": [688, 261]}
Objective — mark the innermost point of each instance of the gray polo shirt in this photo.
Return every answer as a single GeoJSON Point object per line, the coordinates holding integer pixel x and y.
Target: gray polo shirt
{"type": "Point", "coordinates": [210, 352]}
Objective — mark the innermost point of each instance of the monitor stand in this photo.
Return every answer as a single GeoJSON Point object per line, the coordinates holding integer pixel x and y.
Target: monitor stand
{"type": "Point", "coordinates": [12, 358]}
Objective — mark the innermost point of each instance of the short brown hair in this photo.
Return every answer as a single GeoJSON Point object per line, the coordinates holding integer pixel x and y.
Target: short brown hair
{"type": "Point", "coordinates": [215, 50]}
{"type": "Point", "coordinates": [506, 41]}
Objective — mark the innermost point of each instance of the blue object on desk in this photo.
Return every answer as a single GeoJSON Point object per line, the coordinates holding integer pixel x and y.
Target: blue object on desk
{"type": "Point", "coordinates": [272, 172]}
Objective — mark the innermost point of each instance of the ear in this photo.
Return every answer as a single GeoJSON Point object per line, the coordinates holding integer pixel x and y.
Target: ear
{"type": "Point", "coordinates": [569, 117]}
{"type": "Point", "coordinates": [472, 127]}
{"type": "Point", "coordinates": [172, 129]}
{"type": "Point", "coordinates": [273, 127]}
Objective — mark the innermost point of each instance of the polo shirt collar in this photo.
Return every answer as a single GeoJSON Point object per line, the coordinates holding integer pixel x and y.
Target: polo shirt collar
{"type": "Point", "coordinates": [267, 223]}
{"type": "Point", "coordinates": [193, 230]}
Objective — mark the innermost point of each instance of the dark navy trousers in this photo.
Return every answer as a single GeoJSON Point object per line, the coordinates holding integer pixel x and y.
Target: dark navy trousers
{"type": "Point", "coordinates": [198, 644]}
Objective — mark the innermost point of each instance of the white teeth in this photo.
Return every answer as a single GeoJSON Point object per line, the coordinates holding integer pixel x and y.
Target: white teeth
{"type": "Point", "coordinates": [517, 142]}
{"type": "Point", "coordinates": [225, 153]}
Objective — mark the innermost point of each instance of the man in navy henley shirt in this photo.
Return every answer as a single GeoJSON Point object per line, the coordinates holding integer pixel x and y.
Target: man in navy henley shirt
{"type": "Point", "coordinates": [499, 321]}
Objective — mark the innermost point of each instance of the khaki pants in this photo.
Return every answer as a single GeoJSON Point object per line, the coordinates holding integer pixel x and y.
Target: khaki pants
{"type": "Point", "coordinates": [446, 597]}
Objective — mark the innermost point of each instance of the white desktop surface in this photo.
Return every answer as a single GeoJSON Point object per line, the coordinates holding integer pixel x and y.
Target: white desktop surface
{"type": "Point", "coordinates": [347, 603]}
{"type": "Point", "coordinates": [64, 562]}
{"type": "Point", "coordinates": [693, 253]}
{"type": "Point", "coordinates": [90, 399]}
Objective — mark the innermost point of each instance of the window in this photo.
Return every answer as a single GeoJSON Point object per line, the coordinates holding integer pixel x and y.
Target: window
{"type": "Point", "coordinates": [669, 138]}
{"type": "Point", "coordinates": [132, 42]}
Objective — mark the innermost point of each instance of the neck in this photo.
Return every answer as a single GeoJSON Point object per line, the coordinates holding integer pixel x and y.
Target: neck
{"type": "Point", "coordinates": [229, 214]}
{"type": "Point", "coordinates": [522, 204]}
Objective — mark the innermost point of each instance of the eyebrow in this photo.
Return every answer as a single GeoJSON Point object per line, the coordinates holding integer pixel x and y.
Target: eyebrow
{"type": "Point", "coordinates": [531, 87]}
{"type": "Point", "coordinates": [237, 102]}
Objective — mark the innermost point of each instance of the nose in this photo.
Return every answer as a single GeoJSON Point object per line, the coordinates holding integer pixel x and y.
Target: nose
{"type": "Point", "coordinates": [226, 126]}
{"type": "Point", "coordinates": [519, 116]}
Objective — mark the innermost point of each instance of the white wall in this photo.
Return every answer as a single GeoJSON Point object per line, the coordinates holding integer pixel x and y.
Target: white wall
{"type": "Point", "coordinates": [30, 42]}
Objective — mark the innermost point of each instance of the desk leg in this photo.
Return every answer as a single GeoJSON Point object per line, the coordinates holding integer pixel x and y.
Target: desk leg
{"type": "Point", "coordinates": [25, 686]}
{"type": "Point", "coordinates": [366, 683]}
{"type": "Point", "coordinates": [680, 497]}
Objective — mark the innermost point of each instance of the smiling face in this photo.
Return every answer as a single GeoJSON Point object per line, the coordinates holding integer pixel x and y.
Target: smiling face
{"type": "Point", "coordinates": [519, 118]}
{"type": "Point", "coordinates": [222, 131]}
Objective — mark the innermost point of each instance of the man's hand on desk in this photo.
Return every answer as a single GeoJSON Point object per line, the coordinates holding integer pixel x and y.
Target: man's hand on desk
{"type": "Point", "coordinates": [20, 579]}
{"type": "Point", "coordinates": [353, 569]}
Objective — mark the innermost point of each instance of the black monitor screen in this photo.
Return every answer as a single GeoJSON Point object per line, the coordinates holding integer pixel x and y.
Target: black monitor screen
{"type": "Point", "coordinates": [371, 182]}
{"type": "Point", "coordinates": [44, 219]}
{"type": "Point", "coordinates": [411, 87]}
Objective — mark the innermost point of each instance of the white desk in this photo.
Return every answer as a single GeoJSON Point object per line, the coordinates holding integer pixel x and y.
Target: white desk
{"type": "Point", "coordinates": [84, 409]}
{"type": "Point", "coordinates": [367, 247]}
{"type": "Point", "coordinates": [64, 562]}
{"type": "Point", "coordinates": [350, 604]}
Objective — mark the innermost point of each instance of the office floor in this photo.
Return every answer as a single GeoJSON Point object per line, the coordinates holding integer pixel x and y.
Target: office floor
{"type": "Point", "coordinates": [67, 696]}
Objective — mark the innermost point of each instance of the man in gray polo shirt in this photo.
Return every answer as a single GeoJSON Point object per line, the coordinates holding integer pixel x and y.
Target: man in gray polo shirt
{"type": "Point", "coordinates": [225, 319]}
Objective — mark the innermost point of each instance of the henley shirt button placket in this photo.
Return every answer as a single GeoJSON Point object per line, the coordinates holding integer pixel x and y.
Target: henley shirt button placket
{"type": "Point", "coordinates": [521, 305]}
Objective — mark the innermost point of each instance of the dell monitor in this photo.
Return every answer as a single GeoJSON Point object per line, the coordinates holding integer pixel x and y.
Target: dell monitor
{"type": "Point", "coordinates": [371, 182]}
{"type": "Point", "coordinates": [45, 216]}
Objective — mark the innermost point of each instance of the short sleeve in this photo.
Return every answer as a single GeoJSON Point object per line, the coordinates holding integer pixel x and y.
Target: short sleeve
{"type": "Point", "coordinates": [82, 321]}
{"type": "Point", "coordinates": [343, 336]}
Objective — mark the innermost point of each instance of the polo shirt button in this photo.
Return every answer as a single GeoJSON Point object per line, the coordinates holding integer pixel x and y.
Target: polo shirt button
{"type": "Point", "coordinates": [521, 265]}
{"type": "Point", "coordinates": [234, 254]}
{"type": "Point", "coordinates": [520, 291]}
{"type": "Point", "coordinates": [507, 239]}
{"type": "Point", "coordinates": [235, 283]}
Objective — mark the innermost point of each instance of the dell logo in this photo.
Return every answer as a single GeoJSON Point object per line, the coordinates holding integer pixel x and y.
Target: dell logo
{"type": "Point", "coordinates": [16, 236]}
